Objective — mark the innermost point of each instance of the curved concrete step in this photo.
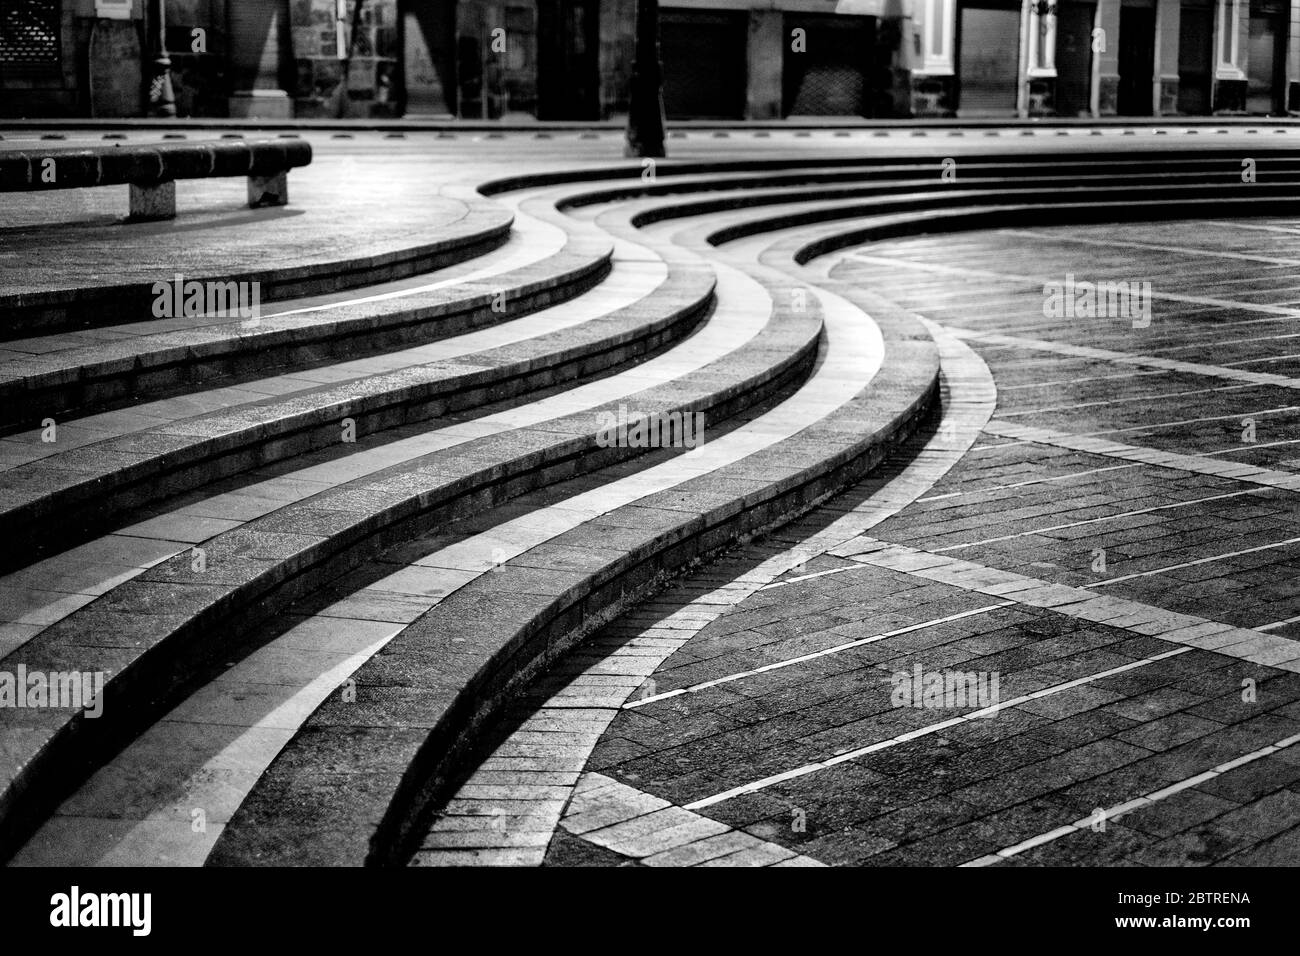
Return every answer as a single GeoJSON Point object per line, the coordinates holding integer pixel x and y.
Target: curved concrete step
{"type": "Point", "coordinates": [64, 497]}
{"type": "Point", "coordinates": [114, 374]}
{"type": "Point", "coordinates": [40, 309]}
{"type": "Point", "coordinates": [426, 696]}
{"type": "Point", "coordinates": [161, 628]}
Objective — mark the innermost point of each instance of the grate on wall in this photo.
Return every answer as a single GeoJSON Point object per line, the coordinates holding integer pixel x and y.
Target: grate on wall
{"type": "Point", "coordinates": [29, 31]}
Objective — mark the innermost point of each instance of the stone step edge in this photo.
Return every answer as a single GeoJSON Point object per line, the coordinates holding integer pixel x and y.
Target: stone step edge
{"type": "Point", "coordinates": [152, 363]}
{"type": "Point", "coordinates": [670, 167]}
{"type": "Point", "coordinates": [88, 503]}
{"type": "Point", "coordinates": [1047, 214]}
{"type": "Point", "coordinates": [867, 174]}
{"type": "Point", "coordinates": [482, 230]}
{"type": "Point", "coordinates": [171, 646]}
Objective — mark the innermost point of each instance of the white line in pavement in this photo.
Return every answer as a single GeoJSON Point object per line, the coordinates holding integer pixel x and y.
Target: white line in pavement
{"type": "Point", "coordinates": [1138, 803]}
{"type": "Point", "coordinates": [1127, 400]}
{"type": "Point", "coordinates": [1128, 358]}
{"type": "Point", "coordinates": [1192, 564]}
{"type": "Point", "coordinates": [1276, 624]}
{"type": "Point", "coordinates": [613, 815]}
{"type": "Point", "coordinates": [1278, 312]}
{"type": "Point", "coordinates": [1102, 519]}
{"type": "Point", "coordinates": [1231, 449]}
{"type": "Point", "coordinates": [825, 652]}
{"type": "Point", "coordinates": [911, 735]}
{"type": "Point", "coordinates": [1031, 481]}
{"type": "Point", "coordinates": [1111, 242]}
{"type": "Point", "coordinates": [1195, 464]}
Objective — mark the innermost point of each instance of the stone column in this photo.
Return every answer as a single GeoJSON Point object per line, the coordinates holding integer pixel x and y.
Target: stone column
{"type": "Point", "coordinates": [1106, 92]}
{"type": "Point", "coordinates": [428, 56]}
{"type": "Point", "coordinates": [1293, 59]}
{"type": "Point", "coordinates": [1168, 18]}
{"type": "Point", "coordinates": [933, 74]}
{"type": "Point", "coordinates": [1039, 81]}
{"type": "Point", "coordinates": [259, 52]}
{"type": "Point", "coordinates": [764, 94]}
{"type": "Point", "coordinates": [1231, 33]}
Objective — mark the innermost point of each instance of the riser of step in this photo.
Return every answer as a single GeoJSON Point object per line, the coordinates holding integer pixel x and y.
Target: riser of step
{"type": "Point", "coordinates": [483, 229]}
{"type": "Point", "coordinates": [33, 389]}
{"type": "Point", "coordinates": [905, 165]}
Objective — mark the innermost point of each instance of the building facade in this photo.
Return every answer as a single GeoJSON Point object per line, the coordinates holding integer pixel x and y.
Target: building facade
{"type": "Point", "coordinates": [723, 59]}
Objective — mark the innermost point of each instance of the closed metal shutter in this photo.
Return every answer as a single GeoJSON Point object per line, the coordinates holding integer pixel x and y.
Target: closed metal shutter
{"type": "Point", "coordinates": [829, 76]}
{"type": "Point", "coordinates": [989, 59]}
{"type": "Point", "coordinates": [29, 31]}
{"type": "Point", "coordinates": [704, 59]}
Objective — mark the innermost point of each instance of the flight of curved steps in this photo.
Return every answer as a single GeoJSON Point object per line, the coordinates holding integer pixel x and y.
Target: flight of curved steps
{"type": "Point", "coordinates": [398, 501]}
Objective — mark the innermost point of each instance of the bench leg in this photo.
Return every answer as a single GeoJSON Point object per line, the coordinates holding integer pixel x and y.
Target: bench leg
{"type": "Point", "coordinates": [268, 190]}
{"type": "Point", "coordinates": [157, 201]}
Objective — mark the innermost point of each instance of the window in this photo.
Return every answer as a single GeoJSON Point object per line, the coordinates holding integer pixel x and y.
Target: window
{"type": "Point", "coordinates": [29, 32]}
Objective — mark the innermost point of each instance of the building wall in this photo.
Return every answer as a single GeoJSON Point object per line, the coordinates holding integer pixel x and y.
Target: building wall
{"type": "Point", "coordinates": [572, 59]}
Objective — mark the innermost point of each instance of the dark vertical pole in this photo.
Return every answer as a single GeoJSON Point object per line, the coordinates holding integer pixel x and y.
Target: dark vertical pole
{"type": "Point", "coordinates": [645, 118]}
{"type": "Point", "coordinates": [162, 99]}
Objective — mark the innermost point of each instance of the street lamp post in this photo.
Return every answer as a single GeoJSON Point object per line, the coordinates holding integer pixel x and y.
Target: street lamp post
{"type": "Point", "coordinates": [162, 99]}
{"type": "Point", "coordinates": [645, 118]}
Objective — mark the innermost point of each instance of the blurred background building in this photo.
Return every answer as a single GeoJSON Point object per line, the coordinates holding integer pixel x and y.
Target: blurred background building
{"type": "Point", "coordinates": [723, 59]}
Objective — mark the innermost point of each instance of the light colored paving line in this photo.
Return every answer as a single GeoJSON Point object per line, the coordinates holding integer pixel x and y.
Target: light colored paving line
{"type": "Point", "coordinates": [927, 730]}
{"type": "Point", "coordinates": [632, 278]}
{"type": "Point", "coordinates": [1129, 358]}
{"type": "Point", "coordinates": [853, 359]}
{"type": "Point", "coordinates": [1253, 227]}
{"type": "Point", "coordinates": [1230, 450]}
{"type": "Point", "coordinates": [825, 652]}
{"type": "Point", "coordinates": [1138, 803]}
{"type": "Point", "coordinates": [1186, 629]}
{"type": "Point", "coordinates": [1276, 624]}
{"type": "Point", "coordinates": [1022, 484]}
{"type": "Point", "coordinates": [1092, 521]}
{"type": "Point", "coordinates": [613, 815]}
{"type": "Point", "coordinates": [728, 328]}
{"type": "Point", "coordinates": [969, 399]}
{"type": "Point", "coordinates": [1278, 312]}
{"type": "Point", "coordinates": [1111, 243]}
{"type": "Point", "coordinates": [1128, 400]}
{"type": "Point", "coordinates": [1094, 444]}
{"type": "Point", "coordinates": [1191, 564]}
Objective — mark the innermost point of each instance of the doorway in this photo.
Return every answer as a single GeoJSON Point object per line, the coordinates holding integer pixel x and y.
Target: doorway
{"type": "Point", "coordinates": [988, 38]}
{"type": "Point", "coordinates": [568, 68]}
{"type": "Point", "coordinates": [1137, 60]}
{"type": "Point", "coordinates": [703, 53]}
{"type": "Point", "coordinates": [1195, 57]}
{"type": "Point", "coordinates": [828, 76]}
{"type": "Point", "coordinates": [1265, 58]}
{"type": "Point", "coordinates": [1074, 59]}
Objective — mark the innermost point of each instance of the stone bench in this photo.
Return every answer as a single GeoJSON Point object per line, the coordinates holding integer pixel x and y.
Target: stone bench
{"type": "Point", "coordinates": [151, 171]}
